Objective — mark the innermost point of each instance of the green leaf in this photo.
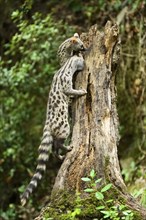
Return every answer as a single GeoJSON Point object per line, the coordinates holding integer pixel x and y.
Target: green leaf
{"type": "Point", "coordinates": [126, 212]}
{"type": "Point", "coordinates": [98, 180]}
{"type": "Point", "coordinates": [107, 187]}
{"type": "Point", "coordinates": [99, 195]}
{"type": "Point", "coordinates": [76, 212]}
{"type": "Point", "coordinates": [89, 190]}
{"type": "Point", "coordinates": [86, 179]}
{"type": "Point", "coordinates": [92, 173]}
{"type": "Point", "coordinates": [15, 14]}
{"type": "Point", "coordinates": [106, 213]}
{"type": "Point", "coordinates": [100, 207]}
{"type": "Point", "coordinates": [110, 200]}
{"type": "Point", "coordinates": [138, 193]}
{"type": "Point", "coordinates": [121, 207]}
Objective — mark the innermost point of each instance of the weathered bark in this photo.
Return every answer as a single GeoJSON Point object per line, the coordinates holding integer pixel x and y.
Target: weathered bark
{"type": "Point", "coordinates": [95, 132]}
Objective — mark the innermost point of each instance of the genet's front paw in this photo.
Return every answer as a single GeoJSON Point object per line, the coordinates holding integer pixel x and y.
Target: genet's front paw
{"type": "Point", "coordinates": [83, 91]}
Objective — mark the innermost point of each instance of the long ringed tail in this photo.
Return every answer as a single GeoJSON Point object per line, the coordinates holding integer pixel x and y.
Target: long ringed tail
{"type": "Point", "coordinates": [45, 149]}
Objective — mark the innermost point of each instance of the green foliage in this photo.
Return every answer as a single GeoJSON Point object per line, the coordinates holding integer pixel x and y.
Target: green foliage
{"type": "Point", "coordinates": [77, 208]}
{"type": "Point", "coordinates": [134, 176]}
{"type": "Point", "coordinates": [131, 87]}
{"type": "Point", "coordinates": [129, 172]}
{"type": "Point", "coordinates": [140, 194]}
{"type": "Point", "coordinates": [10, 213]}
{"type": "Point", "coordinates": [26, 70]}
{"type": "Point", "coordinates": [106, 207]}
{"type": "Point", "coordinates": [117, 213]}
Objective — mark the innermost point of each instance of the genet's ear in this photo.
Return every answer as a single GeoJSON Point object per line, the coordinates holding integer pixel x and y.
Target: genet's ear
{"type": "Point", "coordinates": [76, 35]}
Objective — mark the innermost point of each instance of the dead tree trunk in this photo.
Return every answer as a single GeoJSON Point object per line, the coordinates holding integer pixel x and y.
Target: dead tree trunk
{"type": "Point", "coordinates": [95, 132]}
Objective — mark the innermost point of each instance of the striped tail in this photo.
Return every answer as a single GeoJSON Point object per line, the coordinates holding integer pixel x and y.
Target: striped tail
{"type": "Point", "coordinates": [44, 151]}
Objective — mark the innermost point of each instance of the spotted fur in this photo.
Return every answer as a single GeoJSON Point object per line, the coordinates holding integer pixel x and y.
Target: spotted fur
{"type": "Point", "coordinates": [69, 47]}
{"type": "Point", "coordinates": [56, 126]}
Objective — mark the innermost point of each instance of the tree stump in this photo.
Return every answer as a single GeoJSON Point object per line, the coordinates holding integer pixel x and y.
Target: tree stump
{"type": "Point", "coordinates": [95, 121]}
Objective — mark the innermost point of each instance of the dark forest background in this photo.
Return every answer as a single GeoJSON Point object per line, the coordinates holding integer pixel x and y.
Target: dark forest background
{"type": "Point", "coordinates": [30, 33]}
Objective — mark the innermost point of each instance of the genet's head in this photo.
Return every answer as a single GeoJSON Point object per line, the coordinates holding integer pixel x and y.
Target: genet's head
{"type": "Point", "coordinates": [76, 43]}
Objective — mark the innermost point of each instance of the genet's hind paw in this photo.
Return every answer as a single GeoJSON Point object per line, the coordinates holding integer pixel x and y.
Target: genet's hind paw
{"type": "Point", "coordinates": [69, 148]}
